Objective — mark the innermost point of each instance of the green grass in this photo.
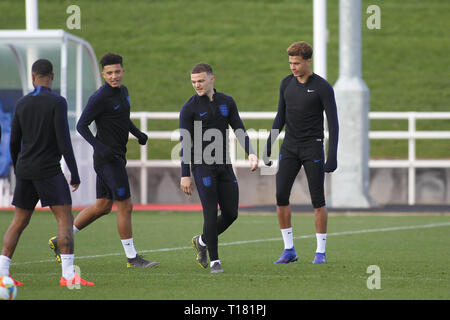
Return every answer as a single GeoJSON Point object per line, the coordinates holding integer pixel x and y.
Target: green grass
{"type": "Point", "coordinates": [413, 262]}
{"type": "Point", "coordinates": [405, 63]}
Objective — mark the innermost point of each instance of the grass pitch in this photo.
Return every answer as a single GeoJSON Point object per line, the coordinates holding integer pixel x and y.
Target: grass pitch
{"type": "Point", "coordinates": [411, 252]}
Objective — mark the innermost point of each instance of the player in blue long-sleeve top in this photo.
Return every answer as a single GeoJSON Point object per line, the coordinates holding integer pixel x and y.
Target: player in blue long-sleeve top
{"type": "Point", "coordinates": [39, 137]}
{"type": "Point", "coordinates": [304, 97]}
{"type": "Point", "coordinates": [204, 121]}
{"type": "Point", "coordinates": [109, 108]}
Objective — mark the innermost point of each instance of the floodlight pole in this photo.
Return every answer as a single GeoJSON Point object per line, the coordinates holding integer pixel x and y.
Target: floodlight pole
{"type": "Point", "coordinates": [350, 182]}
{"type": "Point", "coordinates": [32, 24]}
{"type": "Point", "coordinates": [320, 38]}
{"type": "Point", "coordinates": [32, 17]}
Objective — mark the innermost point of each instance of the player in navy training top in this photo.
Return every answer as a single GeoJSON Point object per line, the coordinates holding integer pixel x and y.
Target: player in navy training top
{"type": "Point", "coordinates": [304, 96]}
{"type": "Point", "coordinates": [204, 121]}
{"type": "Point", "coordinates": [109, 107]}
{"type": "Point", "coordinates": [39, 136]}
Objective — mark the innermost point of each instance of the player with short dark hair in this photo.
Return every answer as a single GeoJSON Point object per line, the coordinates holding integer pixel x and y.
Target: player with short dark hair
{"type": "Point", "coordinates": [109, 107]}
{"type": "Point", "coordinates": [214, 177]}
{"type": "Point", "coordinates": [304, 96]}
{"type": "Point", "coordinates": [39, 136]}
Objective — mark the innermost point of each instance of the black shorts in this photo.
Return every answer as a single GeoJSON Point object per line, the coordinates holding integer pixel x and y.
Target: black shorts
{"type": "Point", "coordinates": [112, 180]}
{"type": "Point", "coordinates": [53, 191]}
{"type": "Point", "coordinates": [311, 157]}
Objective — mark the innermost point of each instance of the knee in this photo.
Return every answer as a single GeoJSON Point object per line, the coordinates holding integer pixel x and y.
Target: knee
{"type": "Point", "coordinates": [20, 224]}
{"type": "Point", "coordinates": [125, 206]}
{"type": "Point", "coordinates": [282, 199]}
{"type": "Point", "coordinates": [232, 217]}
{"type": "Point", "coordinates": [318, 204]}
{"type": "Point", "coordinates": [104, 208]}
{"type": "Point", "coordinates": [129, 208]}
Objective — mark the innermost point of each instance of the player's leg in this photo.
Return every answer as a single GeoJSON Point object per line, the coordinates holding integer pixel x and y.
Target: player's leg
{"type": "Point", "coordinates": [102, 206]}
{"type": "Point", "coordinates": [11, 238]}
{"type": "Point", "coordinates": [25, 199]}
{"type": "Point", "coordinates": [124, 227]}
{"type": "Point", "coordinates": [88, 215]}
{"type": "Point", "coordinates": [314, 169]}
{"type": "Point", "coordinates": [55, 193]}
{"type": "Point", "coordinates": [115, 183]}
{"type": "Point", "coordinates": [228, 198]}
{"type": "Point", "coordinates": [206, 182]}
{"type": "Point", "coordinates": [288, 167]}
{"type": "Point", "coordinates": [64, 217]}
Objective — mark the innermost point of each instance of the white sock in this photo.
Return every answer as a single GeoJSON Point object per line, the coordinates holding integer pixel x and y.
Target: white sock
{"type": "Point", "coordinates": [4, 265]}
{"type": "Point", "coordinates": [75, 230]}
{"type": "Point", "coordinates": [212, 263]}
{"type": "Point", "coordinates": [288, 238]}
{"type": "Point", "coordinates": [321, 242]}
{"type": "Point", "coordinates": [128, 246]}
{"type": "Point", "coordinates": [201, 241]}
{"type": "Point", "coordinates": [68, 271]}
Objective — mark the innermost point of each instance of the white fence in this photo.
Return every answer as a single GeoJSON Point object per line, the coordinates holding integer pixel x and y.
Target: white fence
{"type": "Point", "coordinates": [411, 135]}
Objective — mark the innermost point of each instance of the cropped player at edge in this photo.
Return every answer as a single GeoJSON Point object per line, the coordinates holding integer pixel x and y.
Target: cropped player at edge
{"type": "Point", "coordinates": [211, 111]}
{"type": "Point", "coordinates": [304, 96]}
{"type": "Point", "coordinates": [109, 107]}
{"type": "Point", "coordinates": [39, 136]}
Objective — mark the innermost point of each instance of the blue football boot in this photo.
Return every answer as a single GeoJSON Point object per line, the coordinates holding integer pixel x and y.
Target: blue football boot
{"type": "Point", "coordinates": [320, 258]}
{"type": "Point", "coordinates": [289, 255]}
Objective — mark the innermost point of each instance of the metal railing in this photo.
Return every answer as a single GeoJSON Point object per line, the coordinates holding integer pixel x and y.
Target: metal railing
{"type": "Point", "coordinates": [411, 135]}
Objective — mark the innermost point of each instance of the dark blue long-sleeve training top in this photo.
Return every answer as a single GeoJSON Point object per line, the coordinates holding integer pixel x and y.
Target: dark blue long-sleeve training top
{"type": "Point", "coordinates": [40, 135]}
{"type": "Point", "coordinates": [301, 107]}
{"type": "Point", "coordinates": [217, 115]}
{"type": "Point", "coordinates": [109, 107]}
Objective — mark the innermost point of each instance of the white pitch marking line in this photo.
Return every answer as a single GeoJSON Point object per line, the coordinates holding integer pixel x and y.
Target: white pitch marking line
{"type": "Point", "coordinates": [343, 233]}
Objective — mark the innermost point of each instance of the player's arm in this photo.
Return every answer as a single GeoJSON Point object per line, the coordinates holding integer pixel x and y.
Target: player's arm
{"type": "Point", "coordinates": [236, 123]}
{"type": "Point", "coordinates": [277, 126]}
{"type": "Point", "coordinates": [186, 134]}
{"type": "Point", "coordinates": [141, 136]}
{"type": "Point", "coordinates": [63, 140]}
{"type": "Point", "coordinates": [89, 114]}
{"type": "Point", "coordinates": [16, 139]}
{"type": "Point", "coordinates": [329, 104]}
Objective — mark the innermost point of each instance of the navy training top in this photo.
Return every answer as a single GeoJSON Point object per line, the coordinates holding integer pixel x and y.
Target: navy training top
{"type": "Point", "coordinates": [300, 108]}
{"type": "Point", "coordinates": [216, 114]}
{"type": "Point", "coordinates": [40, 135]}
{"type": "Point", "coordinates": [109, 107]}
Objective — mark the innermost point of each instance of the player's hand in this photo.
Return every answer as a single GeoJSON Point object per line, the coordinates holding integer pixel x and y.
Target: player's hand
{"type": "Point", "coordinates": [267, 161]}
{"type": "Point", "coordinates": [74, 186]}
{"type": "Point", "coordinates": [330, 165]}
{"type": "Point", "coordinates": [186, 185]}
{"type": "Point", "coordinates": [142, 139]}
{"type": "Point", "coordinates": [253, 160]}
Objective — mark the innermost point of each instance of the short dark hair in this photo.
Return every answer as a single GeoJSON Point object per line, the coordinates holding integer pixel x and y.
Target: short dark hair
{"type": "Point", "coordinates": [111, 58]}
{"type": "Point", "coordinates": [202, 67]}
{"type": "Point", "coordinates": [300, 48]}
{"type": "Point", "coordinates": [42, 67]}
